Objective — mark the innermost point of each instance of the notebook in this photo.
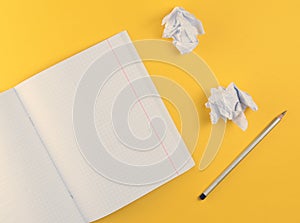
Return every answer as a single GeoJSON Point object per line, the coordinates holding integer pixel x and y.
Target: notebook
{"type": "Point", "coordinates": [85, 138]}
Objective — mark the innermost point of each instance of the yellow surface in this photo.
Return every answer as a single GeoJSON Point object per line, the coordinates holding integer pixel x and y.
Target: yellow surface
{"type": "Point", "coordinates": [253, 43]}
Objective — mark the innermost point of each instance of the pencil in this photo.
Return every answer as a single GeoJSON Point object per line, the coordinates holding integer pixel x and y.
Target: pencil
{"type": "Point", "coordinates": [240, 157]}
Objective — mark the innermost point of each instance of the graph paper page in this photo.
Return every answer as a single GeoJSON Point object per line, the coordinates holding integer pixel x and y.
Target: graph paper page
{"type": "Point", "coordinates": [53, 99]}
{"type": "Point", "coordinates": [30, 187]}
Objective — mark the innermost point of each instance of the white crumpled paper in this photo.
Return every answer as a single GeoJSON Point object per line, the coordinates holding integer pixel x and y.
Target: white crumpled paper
{"type": "Point", "coordinates": [230, 103]}
{"type": "Point", "coordinates": [183, 27]}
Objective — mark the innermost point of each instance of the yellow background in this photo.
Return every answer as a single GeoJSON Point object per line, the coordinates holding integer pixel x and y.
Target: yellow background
{"type": "Point", "coordinates": [253, 43]}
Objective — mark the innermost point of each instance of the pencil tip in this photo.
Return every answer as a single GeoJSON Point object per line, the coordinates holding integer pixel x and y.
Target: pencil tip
{"type": "Point", "coordinates": [282, 114]}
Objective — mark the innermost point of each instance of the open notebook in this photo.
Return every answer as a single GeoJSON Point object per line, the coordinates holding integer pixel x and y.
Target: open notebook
{"type": "Point", "coordinates": [65, 153]}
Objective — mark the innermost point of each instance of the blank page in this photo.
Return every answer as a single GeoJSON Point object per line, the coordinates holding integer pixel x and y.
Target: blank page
{"type": "Point", "coordinates": [51, 99]}
{"type": "Point", "coordinates": [30, 187]}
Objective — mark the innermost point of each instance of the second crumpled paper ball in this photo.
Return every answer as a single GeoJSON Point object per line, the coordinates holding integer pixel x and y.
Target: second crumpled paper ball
{"type": "Point", "coordinates": [184, 28]}
{"type": "Point", "coordinates": [230, 103]}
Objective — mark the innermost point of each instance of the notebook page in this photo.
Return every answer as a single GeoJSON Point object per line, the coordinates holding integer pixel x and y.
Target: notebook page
{"type": "Point", "coordinates": [30, 188]}
{"type": "Point", "coordinates": [49, 97]}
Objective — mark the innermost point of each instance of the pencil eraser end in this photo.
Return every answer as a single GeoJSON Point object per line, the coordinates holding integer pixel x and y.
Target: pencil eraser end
{"type": "Point", "coordinates": [202, 196]}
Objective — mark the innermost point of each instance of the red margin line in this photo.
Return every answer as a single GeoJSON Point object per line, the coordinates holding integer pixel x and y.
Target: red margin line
{"type": "Point", "coordinates": [143, 108]}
